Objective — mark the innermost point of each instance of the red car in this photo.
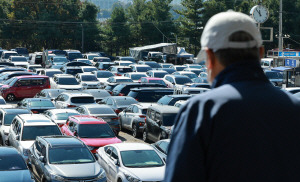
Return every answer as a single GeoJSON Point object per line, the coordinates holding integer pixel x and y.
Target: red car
{"type": "Point", "coordinates": [24, 87]}
{"type": "Point", "coordinates": [94, 132]}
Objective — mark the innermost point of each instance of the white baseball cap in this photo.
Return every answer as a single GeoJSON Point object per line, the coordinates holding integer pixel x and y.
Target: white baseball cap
{"type": "Point", "coordinates": [221, 26]}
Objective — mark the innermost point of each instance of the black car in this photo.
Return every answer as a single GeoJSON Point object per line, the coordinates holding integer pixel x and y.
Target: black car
{"type": "Point", "coordinates": [13, 166]}
{"type": "Point", "coordinates": [124, 89]}
{"type": "Point", "coordinates": [172, 99]}
{"type": "Point", "coordinates": [159, 120]}
{"type": "Point", "coordinates": [49, 93]}
{"type": "Point", "coordinates": [152, 94]}
{"type": "Point", "coordinates": [36, 105]}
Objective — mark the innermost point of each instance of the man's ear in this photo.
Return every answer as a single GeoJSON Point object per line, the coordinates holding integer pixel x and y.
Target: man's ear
{"type": "Point", "coordinates": [261, 52]}
{"type": "Point", "coordinates": [210, 59]}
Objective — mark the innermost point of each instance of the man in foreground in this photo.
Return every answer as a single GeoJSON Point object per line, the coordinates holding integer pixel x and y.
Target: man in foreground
{"type": "Point", "coordinates": [244, 129]}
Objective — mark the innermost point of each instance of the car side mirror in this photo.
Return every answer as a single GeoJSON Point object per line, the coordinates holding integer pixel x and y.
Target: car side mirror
{"type": "Point", "coordinates": [75, 133]}
{"type": "Point", "coordinates": [19, 104]}
{"type": "Point", "coordinates": [116, 162]}
{"type": "Point", "coordinates": [42, 159]}
{"type": "Point", "coordinates": [96, 156]}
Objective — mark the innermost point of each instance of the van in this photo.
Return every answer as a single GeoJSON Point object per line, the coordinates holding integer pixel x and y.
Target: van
{"type": "Point", "coordinates": [24, 87]}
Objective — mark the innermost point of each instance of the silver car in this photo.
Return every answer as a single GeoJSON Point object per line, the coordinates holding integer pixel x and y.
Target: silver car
{"type": "Point", "coordinates": [60, 116]}
{"type": "Point", "coordinates": [71, 100]}
{"type": "Point", "coordinates": [63, 158]}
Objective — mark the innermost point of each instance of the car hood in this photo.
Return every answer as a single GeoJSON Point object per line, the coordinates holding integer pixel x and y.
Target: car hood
{"type": "Point", "coordinates": [27, 144]}
{"type": "Point", "coordinates": [148, 174]}
{"type": "Point", "coordinates": [17, 175]}
{"type": "Point", "coordinates": [76, 170]}
{"type": "Point", "coordinates": [100, 142]}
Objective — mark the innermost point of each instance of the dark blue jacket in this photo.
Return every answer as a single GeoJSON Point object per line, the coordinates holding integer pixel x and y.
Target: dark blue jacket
{"type": "Point", "coordinates": [244, 130]}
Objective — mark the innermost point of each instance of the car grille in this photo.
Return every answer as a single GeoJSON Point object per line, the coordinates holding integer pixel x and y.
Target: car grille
{"type": "Point", "coordinates": [92, 179]}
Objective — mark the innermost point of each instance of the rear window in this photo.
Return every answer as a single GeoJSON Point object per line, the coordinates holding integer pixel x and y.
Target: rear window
{"type": "Point", "coordinates": [143, 69]}
{"type": "Point", "coordinates": [101, 111]}
{"type": "Point", "coordinates": [74, 71]}
{"type": "Point", "coordinates": [104, 74]}
{"type": "Point", "coordinates": [43, 103]}
{"type": "Point", "coordinates": [51, 73]}
{"type": "Point", "coordinates": [124, 70]}
{"type": "Point", "coordinates": [19, 59]}
{"type": "Point", "coordinates": [88, 100]}
{"type": "Point", "coordinates": [151, 96]}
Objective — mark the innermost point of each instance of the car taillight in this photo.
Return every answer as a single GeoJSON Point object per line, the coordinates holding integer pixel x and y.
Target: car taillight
{"type": "Point", "coordinates": [115, 118]}
{"type": "Point", "coordinates": [117, 111]}
{"type": "Point", "coordinates": [121, 94]}
{"type": "Point", "coordinates": [141, 124]}
{"type": "Point", "coordinates": [117, 74]}
{"type": "Point", "coordinates": [71, 106]}
{"type": "Point", "coordinates": [142, 116]}
{"type": "Point", "coordinates": [29, 70]}
{"type": "Point", "coordinates": [136, 99]}
{"type": "Point", "coordinates": [34, 112]}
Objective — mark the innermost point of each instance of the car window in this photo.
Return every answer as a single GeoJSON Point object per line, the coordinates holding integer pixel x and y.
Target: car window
{"type": "Point", "coordinates": [23, 83]}
{"type": "Point", "coordinates": [107, 150]}
{"type": "Point", "coordinates": [164, 147]}
{"type": "Point", "coordinates": [109, 102]}
{"type": "Point", "coordinates": [135, 109]}
{"type": "Point", "coordinates": [40, 81]}
{"type": "Point", "coordinates": [114, 154]}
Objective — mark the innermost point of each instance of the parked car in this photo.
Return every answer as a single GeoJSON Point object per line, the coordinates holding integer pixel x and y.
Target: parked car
{"type": "Point", "coordinates": [63, 158]}
{"type": "Point", "coordinates": [119, 70]}
{"type": "Point", "coordinates": [6, 54]}
{"type": "Point", "coordinates": [102, 76]}
{"type": "Point", "coordinates": [88, 69]}
{"type": "Point", "coordinates": [94, 132]}
{"type": "Point", "coordinates": [176, 80]}
{"type": "Point", "coordinates": [150, 94]}
{"type": "Point", "coordinates": [73, 99]}
{"type": "Point", "coordinates": [274, 77]}
{"type": "Point", "coordinates": [49, 93]}
{"type": "Point", "coordinates": [124, 88]}
{"type": "Point", "coordinates": [172, 99]}
{"type": "Point", "coordinates": [159, 120]}
{"type": "Point", "coordinates": [90, 56]}
{"type": "Point", "coordinates": [131, 162]}
{"type": "Point", "coordinates": [26, 127]}
{"type": "Point", "coordinates": [135, 76]}
{"type": "Point", "coordinates": [133, 118]}
{"type": "Point", "coordinates": [60, 116]}
{"type": "Point", "coordinates": [157, 73]}
{"type": "Point", "coordinates": [118, 103]}
{"type": "Point", "coordinates": [8, 75]}
{"type": "Point", "coordinates": [73, 54]}
{"type": "Point", "coordinates": [6, 117]}
{"type": "Point", "coordinates": [36, 105]}
{"type": "Point", "coordinates": [57, 60]}
{"type": "Point", "coordinates": [119, 79]}
{"type": "Point", "coordinates": [161, 147]}
{"type": "Point", "coordinates": [65, 81]}
{"type": "Point", "coordinates": [153, 80]}
{"type": "Point", "coordinates": [13, 166]}
{"type": "Point", "coordinates": [19, 61]}
{"type": "Point", "coordinates": [11, 69]}
{"type": "Point", "coordinates": [98, 94]}
{"type": "Point", "coordinates": [88, 81]}
{"type": "Point", "coordinates": [140, 68]}
{"type": "Point", "coordinates": [50, 72]}
{"type": "Point", "coordinates": [104, 65]}
{"type": "Point", "coordinates": [103, 112]}
{"type": "Point", "coordinates": [24, 87]}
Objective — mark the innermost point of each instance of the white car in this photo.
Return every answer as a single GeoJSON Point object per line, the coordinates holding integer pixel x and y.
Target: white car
{"type": "Point", "coordinates": [174, 81]}
{"type": "Point", "coordinates": [87, 81]}
{"type": "Point", "coordinates": [19, 61]}
{"type": "Point", "coordinates": [141, 68]}
{"type": "Point", "coordinates": [6, 54]}
{"type": "Point", "coordinates": [102, 76]}
{"type": "Point", "coordinates": [60, 116]}
{"type": "Point", "coordinates": [135, 76]}
{"type": "Point", "coordinates": [131, 162]}
{"type": "Point", "coordinates": [88, 69]}
{"type": "Point", "coordinates": [64, 81]}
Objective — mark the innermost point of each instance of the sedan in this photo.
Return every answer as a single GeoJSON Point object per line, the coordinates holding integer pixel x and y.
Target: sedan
{"type": "Point", "coordinates": [36, 105]}
{"type": "Point", "coordinates": [131, 162]}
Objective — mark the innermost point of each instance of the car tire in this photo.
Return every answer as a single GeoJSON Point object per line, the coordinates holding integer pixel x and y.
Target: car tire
{"type": "Point", "coordinates": [135, 132]}
{"type": "Point", "coordinates": [145, 136]}
{"type": "Point", "coordinates": [11, 97]}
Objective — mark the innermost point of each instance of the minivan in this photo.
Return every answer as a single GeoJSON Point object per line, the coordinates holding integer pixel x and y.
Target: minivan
{"type": "Point", "coordinates": [24, 87]}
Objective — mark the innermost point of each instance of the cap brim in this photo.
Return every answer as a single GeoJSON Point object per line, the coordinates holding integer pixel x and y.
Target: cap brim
{"type": "Point", "coordinates": [201, 56]}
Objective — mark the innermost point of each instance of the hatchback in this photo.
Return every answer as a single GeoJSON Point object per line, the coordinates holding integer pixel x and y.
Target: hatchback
{"type": "Point", "coordinates": [73, 100]}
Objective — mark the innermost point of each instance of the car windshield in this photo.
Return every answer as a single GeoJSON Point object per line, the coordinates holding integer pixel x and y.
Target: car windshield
{"type": "Point", "coordinates": [64, 116]}
{"type": "Point", "coordinates": [10, 81]}
{"type": "Point", "coordinates": [31, 132]}
{"type": "Point", "coordinates": [125, 102]}
{"type": "Point", "coordinates": [158, 81]}
{"type": "Point", "coordinates": [8, 119]}
{"type": "Point", "coordinates": [75, 55]}
{"type": "Point", "coordinates": [168, 119]}
{"type": "Point", "coordinates": [143, 69]}
{"type": "Point", "coordinates": [124, 70]}
{"type": "Point", "coordinates": [123, 80]}
{"type": "Point", "coordinates": [101, 111]}
{"type": "Point", "coordinates": [70, 155]}
{"type": "Point", "coordinates": [74, 71]}
{"type": "Point", "coordinates": [183, 80]}
{"type": "Point", "coordinates": [12, 163]}
{"type": "Point", "coordinates": [274, 75]}
{"type": "Point", "coordinates": [141, 159]}
{"type": "Point", "coordinates": [41, 103]}
{"type": "Point", "coordinates": [67, 81]}
{"type": "Point", "coordinates": [95, 131]}
{"type": "Point", "coordinates": [153, 65]}
{"type": "Point", "coordinates": [137, 77]}
{"type": "Point", "coordinates": [51, 73]}
{"type": "Point", "coordinates": [77, 100]}
{"type": "Point", "coordinates": [19, 59]}
{"type": "Point", "coordinates": [180, 68]}
{"type": "Point", "coordinates": [160, 75]}
{"type": "Point", "coordinates": [60, 60]}
{"type": "Point", "coordinates": [104, 74]}
{"type": "Point", "coordinates": [89, 69]}
{"type": "Point", "coordinates": [191, 76]}
{"type": "Point", "coordinates": [89, 78]}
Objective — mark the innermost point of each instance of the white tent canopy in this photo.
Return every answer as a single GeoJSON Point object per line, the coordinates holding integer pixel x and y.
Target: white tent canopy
{"type": "Point", "coordinates": [169, 48]}
{"type": "Point", "coordinates": [182, 53]}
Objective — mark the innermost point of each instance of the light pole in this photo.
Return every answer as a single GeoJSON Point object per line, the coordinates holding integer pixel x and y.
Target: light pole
{"type": "Point", "coordinates": [280, 41]}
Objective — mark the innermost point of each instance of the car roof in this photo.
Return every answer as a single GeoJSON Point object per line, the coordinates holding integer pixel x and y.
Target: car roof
{"type": "Point", "coordinates": [62, 141]}
{"type": "Point", "coordinates": [165, 108]}
{"type": "Point", "coordinates": [132, 146]}
{"type": "Point", "coordinates": [87, 119]}
{"type": "Point", "coordinates": [32, 76]}
{"type": "Point", "coordinates": [35, 119]}
{"type": "Point", "coordinates": [5, 151]}
{"type": "Point", "coordinates": [16, 111]}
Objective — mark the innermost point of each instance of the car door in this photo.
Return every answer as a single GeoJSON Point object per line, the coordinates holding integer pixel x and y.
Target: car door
{"type": "Point", "coordinates": [105, 158]}
{"type": "Point", "coordinates": [127, 116]}
{"type": "Point", "coordinates": [156, 126]}
{"type": "Point", "coordinates": [113, 168]}
{"type": "Point", "coordinates": [34, 159]}
{"type": "Point", "coordinates": [150, 123]}
{"type": "Point", "coordinates": [23, 88]}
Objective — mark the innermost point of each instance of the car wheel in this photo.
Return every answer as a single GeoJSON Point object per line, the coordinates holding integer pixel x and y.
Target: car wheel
{"type": "Point", "coordinates": [145, 136]}
{"type": "Point", "coordinates": [135, 132]}
{"type": "Point", "coordinates": [11, 97]}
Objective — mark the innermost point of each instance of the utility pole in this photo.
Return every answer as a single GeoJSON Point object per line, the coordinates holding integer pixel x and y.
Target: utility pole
{"type": "Point", "coordinates": [280, 39]}
{"type": "Point", "coordinates": [82, 38]}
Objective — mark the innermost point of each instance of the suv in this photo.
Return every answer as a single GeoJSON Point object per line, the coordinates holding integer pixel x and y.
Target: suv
{"type": "Point", "coordinates": [24, 87]}
{"type": "Point", "coordinates": [65, 81]}
{"type": "Point", "coordinates": [152, 94]}
{"type": "Point", "coordinates": [6, 117]}
{"type": "Point", "coordinates": [176, 80]}
{"type": "Point", "coordinates": [6, 54]}
{"type": "Point", "coordinates": [63, 158]}
{"type": "Point", "coordinates": [159, 120]}
{"type": "Point", "coordinates": [133, 118]}
{"type": "Point", "coordinates": [73, 100]}
{"type": "Point", "coordinates": [119, 70]}
{"type": "Point", "coordinates": [26, 127]}
{"type": "Point", "coordinates": [124, 89]}
{"type": "Point", "coordinates": [88, 81]}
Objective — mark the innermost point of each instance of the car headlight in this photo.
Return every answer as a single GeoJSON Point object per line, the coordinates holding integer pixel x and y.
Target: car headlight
{"type": "Point", "coordinates": [84, 84]}
{"type": "Point", "coordinates": [56, 177]}
{"type": "Point", "coordinates": [131, 179]}
{"type": "Point", "coordinates": [101, 175]}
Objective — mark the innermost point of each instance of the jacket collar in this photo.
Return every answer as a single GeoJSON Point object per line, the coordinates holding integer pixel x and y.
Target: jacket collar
{"type": "Point", "coordinates": [243, 71]}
